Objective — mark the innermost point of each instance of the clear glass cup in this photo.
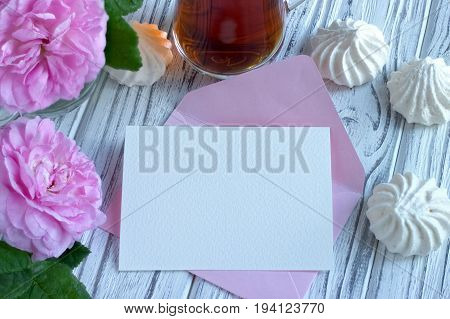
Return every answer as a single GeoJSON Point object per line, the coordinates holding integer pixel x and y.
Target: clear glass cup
{"type": "Point", "coordinates": [228, 37]}
{"type": "Point", "coordinates": [58, 108]}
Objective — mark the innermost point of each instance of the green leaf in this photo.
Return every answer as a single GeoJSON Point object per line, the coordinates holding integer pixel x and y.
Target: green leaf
{"type": "Point", "coordinates": [123, 7]}
{"type": "Point", "coordinates": [14, 284]}
{"type": "Point", "coordinates": [74, 256]}
{"type": "Point", "coordinates": [15, 273]}
{"type": "Point", "coordinates": [53, 278]}
{"type": "Point", "coordinates": [122, 50]}
{"type": "Point", "coordinates": [13, 259]}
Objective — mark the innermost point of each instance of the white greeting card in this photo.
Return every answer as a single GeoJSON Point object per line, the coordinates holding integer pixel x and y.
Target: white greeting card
{"type": "Point", "coordinates": [226, 198]}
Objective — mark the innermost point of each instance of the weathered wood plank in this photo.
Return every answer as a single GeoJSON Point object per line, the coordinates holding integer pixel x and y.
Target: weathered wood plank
{"type": "Point", "coordinates": [171, 284]}
{"type": "Point", "coordinates": [202, 289]}
{"type": "Point", "coordinates": [68, 123]}
{"type": "Point", "coordinates": [424, 151]}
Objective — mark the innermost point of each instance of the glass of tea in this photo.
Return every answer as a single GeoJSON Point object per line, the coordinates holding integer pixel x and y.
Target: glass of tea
{"type": "Point", "coordinates": [228, 37]}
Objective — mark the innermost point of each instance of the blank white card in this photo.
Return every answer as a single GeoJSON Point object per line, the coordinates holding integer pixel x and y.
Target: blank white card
{"type": "Point", "coordinates": [226, 198]}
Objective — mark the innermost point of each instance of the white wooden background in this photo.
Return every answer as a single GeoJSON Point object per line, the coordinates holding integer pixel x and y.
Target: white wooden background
{"type": "Point", "coordinates": [385, 143]}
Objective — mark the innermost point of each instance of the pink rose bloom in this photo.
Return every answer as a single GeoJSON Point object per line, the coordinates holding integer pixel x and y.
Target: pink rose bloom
{"type": "Point", "coordinates": [49, 191]}
{"type": "Point", "coordinates": [49, 49]}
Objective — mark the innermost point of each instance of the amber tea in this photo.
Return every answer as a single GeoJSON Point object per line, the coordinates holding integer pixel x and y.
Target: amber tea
{"type": "Point", "coordinates": [226, 37]}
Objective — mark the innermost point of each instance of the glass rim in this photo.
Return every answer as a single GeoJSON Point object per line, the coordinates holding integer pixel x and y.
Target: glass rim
{"type": "Point", "coordinates": [56, 109]}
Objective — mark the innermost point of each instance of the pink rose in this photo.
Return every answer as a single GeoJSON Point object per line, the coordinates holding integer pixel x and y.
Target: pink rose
{"type": "Point", "coordinates": [49, 49]}
{"type": "Point", "coordinates": [49, 191]}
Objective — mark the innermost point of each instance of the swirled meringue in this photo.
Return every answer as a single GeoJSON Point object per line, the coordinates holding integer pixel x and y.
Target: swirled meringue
{"type": "Point", "coordinates": [350, 52]}
{"type": "Point", "coordinates": [156, 54]}
{"type": "Point", "coordinates": [420, 91]}
{"type": "Point", "coordinates": [410, 216]}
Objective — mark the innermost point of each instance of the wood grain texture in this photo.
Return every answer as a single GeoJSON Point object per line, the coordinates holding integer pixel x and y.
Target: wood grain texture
{"type": "Point", "coordinates": [202, 289]}
{"type": "Point", "coordinates": [384, 142]}
{"type": "Point", "coordinates": [425, 151]}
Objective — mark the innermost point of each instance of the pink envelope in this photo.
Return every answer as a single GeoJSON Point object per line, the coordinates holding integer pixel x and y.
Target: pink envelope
{"type": "Point", "coordinates": [287, 93]}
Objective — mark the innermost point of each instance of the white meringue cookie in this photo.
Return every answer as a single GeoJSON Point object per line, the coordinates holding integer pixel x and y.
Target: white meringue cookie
{"type": "Point", "coordinates": [350, 52]}
{"type": "Point", "coordinates": [156, 54]}
{"type": "Point", "coordinates": [410, 216]}
{"type": "Point", "coordinates": [420, 91]}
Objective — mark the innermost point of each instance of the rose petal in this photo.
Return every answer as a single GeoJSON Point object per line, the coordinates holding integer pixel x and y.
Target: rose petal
{"type": "Point", "coordinates": [33, 225]}
{"type": "Point", "coordinates": [27, 35]}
